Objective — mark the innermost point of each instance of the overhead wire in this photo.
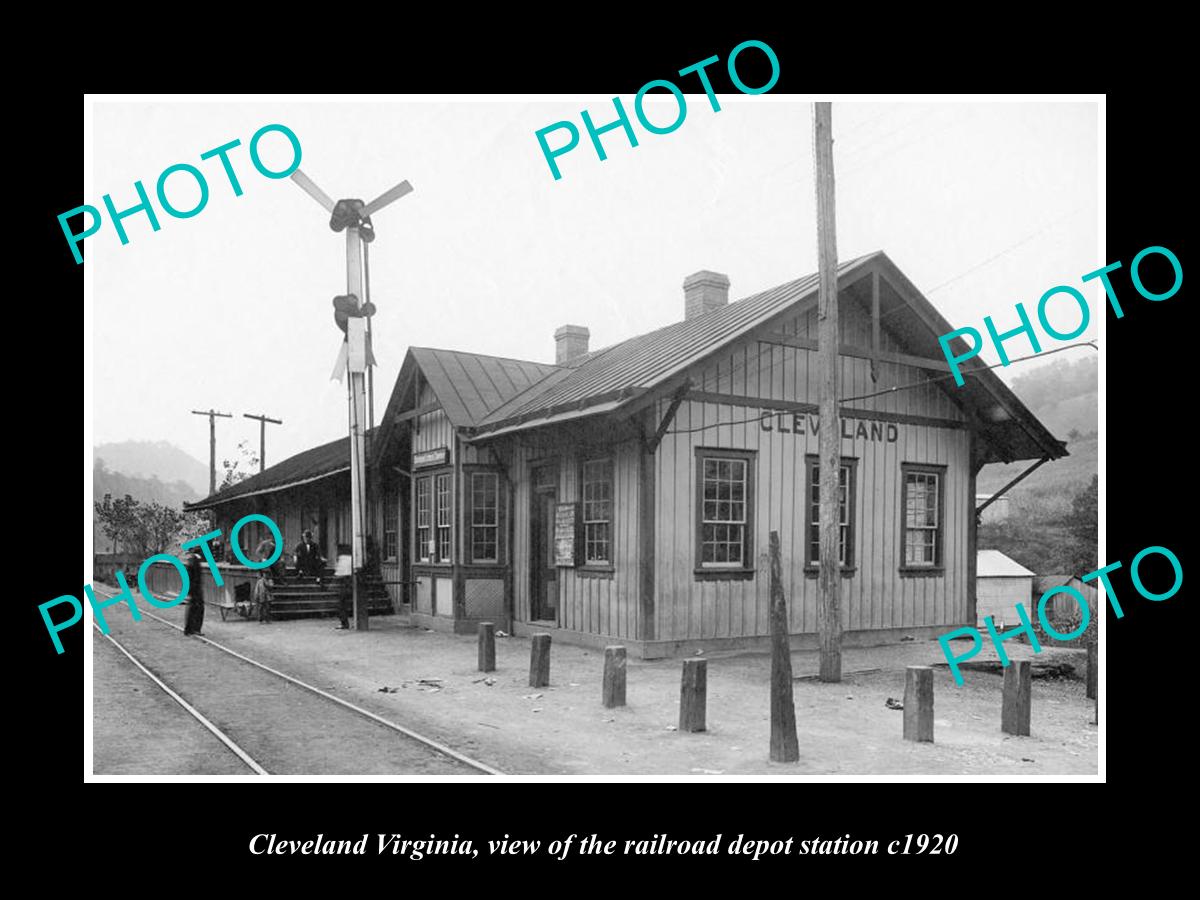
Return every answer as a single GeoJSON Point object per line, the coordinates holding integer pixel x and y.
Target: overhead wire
{"type": "Point", "coordinates": [766, 404]}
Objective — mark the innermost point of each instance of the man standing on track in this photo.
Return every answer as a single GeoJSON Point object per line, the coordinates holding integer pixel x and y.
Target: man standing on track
{"type": "Point", "coordinates": [195, 602]}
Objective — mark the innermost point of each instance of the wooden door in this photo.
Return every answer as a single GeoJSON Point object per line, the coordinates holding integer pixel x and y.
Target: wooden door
{"type": "Point", "coordinates": [544, 588]}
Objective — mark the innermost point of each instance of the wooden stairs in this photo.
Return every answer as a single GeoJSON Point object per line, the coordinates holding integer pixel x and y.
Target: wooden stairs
{"type": "Point", "coordinates": [296, 596]}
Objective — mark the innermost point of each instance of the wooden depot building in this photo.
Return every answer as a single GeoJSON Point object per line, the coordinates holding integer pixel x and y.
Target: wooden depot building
{"type": "Point", "coordinates": [625, 495]}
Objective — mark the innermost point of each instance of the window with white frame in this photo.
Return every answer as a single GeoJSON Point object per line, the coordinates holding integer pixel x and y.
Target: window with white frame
{"type": "Point", "coordinates": [597, 484]}
{"type": "Point", "coordinates": [424, 539]}
{"type": "Point", "coordinates": [445, 516]}
{"type": "Point", "coordinates": [391, 524]}
{"type": "Point", "coordinates": [845, 513]}
{"type": "Point", "coordinates": [725, 483]}
{"type": "Point", "coordinates": [922, 507]}
{"type": "Point", "coordinates": [485, 517]}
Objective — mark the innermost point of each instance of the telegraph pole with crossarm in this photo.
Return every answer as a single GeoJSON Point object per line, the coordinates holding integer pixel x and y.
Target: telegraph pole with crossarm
{"type": "Point", "coordinates": [262, 437]}
{"type": "Point", "coordinates": [212, 444]}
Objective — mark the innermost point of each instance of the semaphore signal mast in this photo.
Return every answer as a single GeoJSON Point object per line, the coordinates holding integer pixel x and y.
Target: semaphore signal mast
{"type": "Point", "coordinates": [352, 314]}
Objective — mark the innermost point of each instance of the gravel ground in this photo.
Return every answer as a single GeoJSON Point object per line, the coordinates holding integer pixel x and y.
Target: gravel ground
{"type": "Point", "coordinates": [433, 687]}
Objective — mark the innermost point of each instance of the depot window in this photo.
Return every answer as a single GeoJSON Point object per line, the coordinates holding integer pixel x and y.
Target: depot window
{"type": "Point", "coordinates": [485, 517]}
{"type": "Point", "coordinates": [391, 524]}
{"type": "Point", "coordinates": [424, 539]}
{"type": "Point", "coordinates": [724, 513]}
{"type": "Point", "coordinates": [846, 492]}
{"type": "Point", "coordinates": [923, 506]}
{"type": "Point", "coordinates": [597, 481]}
{"type": "Point", "coordinates": [445, 516]}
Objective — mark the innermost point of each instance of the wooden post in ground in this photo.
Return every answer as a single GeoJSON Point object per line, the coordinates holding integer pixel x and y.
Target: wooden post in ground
{"type": "Point", "coordinates": [829, 613]}
{"type": "Point", "coordinates": [614, 677]}
{"type": "Point", "coordinates": [1093, 669]}
{"type": "Point", "coordinates": [918, 703]}
{"type": "Point", "coordinates": [487, 647]}
{"type": "Point", "coordinates": [1015, 708]}
{"type": "Point", "coordinates": [784, 745]}
{"type": "Point", "coordinates": [539, 661]}
{"type": "Point", "coordinates": [693, 695]}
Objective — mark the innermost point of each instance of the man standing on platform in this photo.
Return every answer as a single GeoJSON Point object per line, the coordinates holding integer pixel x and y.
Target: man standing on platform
{"type": "Point", "coordinates": [195, 601]}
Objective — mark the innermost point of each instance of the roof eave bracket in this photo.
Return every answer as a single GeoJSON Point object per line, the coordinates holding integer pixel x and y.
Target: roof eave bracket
{"type": "Point", "coordinates": [1004, 490]}
{"type": "Point", "coordinates": [676, 399]}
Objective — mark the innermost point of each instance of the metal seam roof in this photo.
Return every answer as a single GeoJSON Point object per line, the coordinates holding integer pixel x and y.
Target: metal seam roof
{"type": "Point", "coordinates": [645, 360]}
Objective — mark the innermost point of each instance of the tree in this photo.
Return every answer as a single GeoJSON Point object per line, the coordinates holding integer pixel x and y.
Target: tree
{"type": "Point", "coordinates": [119, 519]}
{"type": "Point", "coordinates": [144, 528]}
{"type": "Point", "coordinates": [1083, 524]}
{"type": "Point", "coordinates": [240, 468]}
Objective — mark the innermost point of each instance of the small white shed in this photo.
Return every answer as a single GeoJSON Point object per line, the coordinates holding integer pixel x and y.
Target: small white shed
{"type": "Point", "coordinates": [1000, 584]}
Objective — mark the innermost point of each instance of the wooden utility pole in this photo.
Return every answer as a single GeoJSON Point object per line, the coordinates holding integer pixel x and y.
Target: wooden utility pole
{"type": "Point", "coordinates": [262, 438]}
{"type": "Point", "coordinates": [829, 612]}
{"type": "Point", "coordinates": [212, 445]}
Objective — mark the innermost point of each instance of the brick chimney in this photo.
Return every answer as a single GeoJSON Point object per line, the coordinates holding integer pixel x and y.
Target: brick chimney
{"type": "Point", "coordinates": [703, 292]}
{"type": "Point", "coordinates": [570, 342]}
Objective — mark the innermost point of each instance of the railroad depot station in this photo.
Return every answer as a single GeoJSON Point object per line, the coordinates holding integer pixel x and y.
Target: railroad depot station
{"type": "Point", "coordinates": [625, 495]}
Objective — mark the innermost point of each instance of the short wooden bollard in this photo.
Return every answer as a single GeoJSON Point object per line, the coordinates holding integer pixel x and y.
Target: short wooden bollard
{"type": "Point", "coordinates": [539, 661]}
{"type": "Point", "coordinates": [1015, 710]}
{"type": "Point", "coordinates": [1093, 670]}
{"type": "Point", "coordinates": [693, 695]}
{"type": "Point", "coordinates": [918, 703]}
{"type": "Point", "coordinates": [614, 677]}
{"type": "Point", "coordinates": [487, 647]}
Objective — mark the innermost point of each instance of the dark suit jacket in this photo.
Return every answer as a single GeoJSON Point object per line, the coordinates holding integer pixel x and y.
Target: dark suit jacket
{"type": "Point", "coordinates": [308, 559]}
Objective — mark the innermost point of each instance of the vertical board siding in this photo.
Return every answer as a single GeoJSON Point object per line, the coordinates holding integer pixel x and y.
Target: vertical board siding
{"type": "Point", "coordinates": [875, 596]}
{"type": "Point", "coordinates": [588, 603]}
{"type": "Point", "coordinates": [433, 429]}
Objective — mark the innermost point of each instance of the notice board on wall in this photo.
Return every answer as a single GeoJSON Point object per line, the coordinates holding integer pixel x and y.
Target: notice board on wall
{"type": "Point", "coordinates": [566, 522]}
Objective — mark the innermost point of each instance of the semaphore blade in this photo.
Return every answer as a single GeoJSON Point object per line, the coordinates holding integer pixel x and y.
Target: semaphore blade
{"type": "Point", "coordinates": [312, 190]}
{"type": "Point", "coordinates": [385, 198]}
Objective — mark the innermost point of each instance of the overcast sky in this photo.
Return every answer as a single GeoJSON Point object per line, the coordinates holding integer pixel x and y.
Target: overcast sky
{"type": "Point", "coordinates": [980, 204]}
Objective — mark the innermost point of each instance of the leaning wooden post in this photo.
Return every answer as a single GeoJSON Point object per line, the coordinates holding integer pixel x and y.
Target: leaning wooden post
{"type": "Point", "coordinates": [539, 661]}
{"type": "Point", "coordinates": [1015, 709]}
{"type": "Point", "coordinates": [614, 677]}
{"type": "Point", "coordinates": [1092, 669]}
{"type": "Point", "coordinates": [784, 745]}
{"type": "Point", "coordinates": [487, 646]}
{"type": "Point", "coordinates": [693, 695]}
{"type": "Point", "coordinates": [918, 703]}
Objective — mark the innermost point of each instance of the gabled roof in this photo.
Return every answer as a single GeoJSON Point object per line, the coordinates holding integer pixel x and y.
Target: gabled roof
{"type": "Point", "coordinates": [611, 378]}
{"type": "Point", "coordinates": [994, 564]}
{"type": "Point", "coordinates": [470, 385]}
{"type": "Point", "coordinates": [309, 465]}
{"type": "Point", "coordinates": [632, 367]}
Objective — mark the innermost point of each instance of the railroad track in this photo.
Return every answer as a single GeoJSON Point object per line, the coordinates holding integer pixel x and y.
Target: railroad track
{"type": "Point", "coordinates": [455, 762]}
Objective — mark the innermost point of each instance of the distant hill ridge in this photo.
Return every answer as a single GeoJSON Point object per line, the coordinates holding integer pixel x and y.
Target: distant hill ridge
{"type": "Point", "coordinates": [160, 460]}
{"type": "Point", "coordinates": [173, 493]}
{"type": "Point", "coordinates": [1065, 398]}
{"type": "Point", "coordinates": [1064, 395]}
